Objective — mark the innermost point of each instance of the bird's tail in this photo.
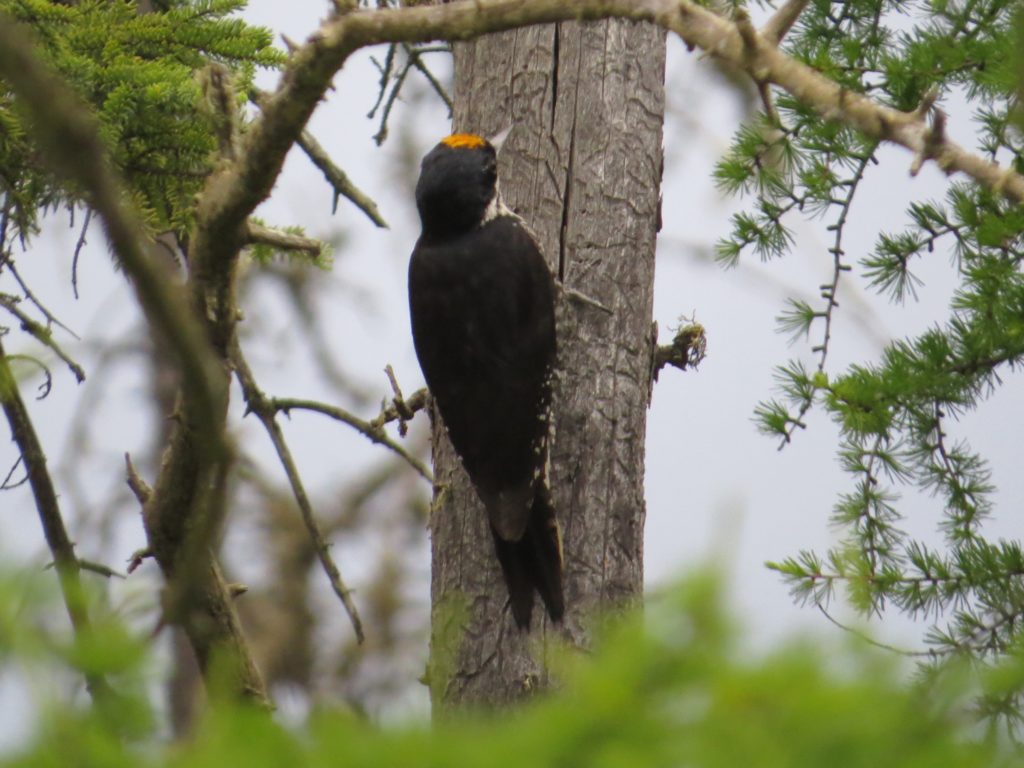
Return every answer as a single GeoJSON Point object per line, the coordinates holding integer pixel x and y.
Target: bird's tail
{"type": "Point", "coordinates": [534, 563]}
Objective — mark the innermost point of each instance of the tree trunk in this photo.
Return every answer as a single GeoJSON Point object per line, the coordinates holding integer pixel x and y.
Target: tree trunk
{"type": "Point", "coordinates": [583, 167]}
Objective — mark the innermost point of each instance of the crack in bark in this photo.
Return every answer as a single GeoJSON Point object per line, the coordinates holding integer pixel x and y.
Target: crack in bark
{"type": "Point", "coordinates": [554, 74]}
{"type": "Point", "coordinates": [567, 189]}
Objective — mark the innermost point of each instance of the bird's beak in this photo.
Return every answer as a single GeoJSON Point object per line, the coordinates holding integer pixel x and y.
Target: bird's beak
{"type": "Point", "coordinates": [499, 138]}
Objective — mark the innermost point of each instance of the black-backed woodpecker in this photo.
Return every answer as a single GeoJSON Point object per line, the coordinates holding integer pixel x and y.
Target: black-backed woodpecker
{"type": "Point", "coordinates": [481, 298]}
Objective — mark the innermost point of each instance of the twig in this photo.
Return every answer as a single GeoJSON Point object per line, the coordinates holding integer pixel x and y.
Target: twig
{"type": "Point", "coordinates": [40, 333]}
{"type": "Point", "coordinates": [47, 385]}
{"type": "Point", "coordinates": [63, 551]}
{"type": "Point", "coordinates": [581, 298]}
{"type": "Point", "coordinates": [137, 558]}
{"type": "Point", "coordinates": [871, 641]}
{"type": "Point", "coordinates": [764, 91]}
{"type": "Point", "coordinates": [337, 178]}
{"type": "Point", "coordinates": [403, 410]}
{"type": "Point", "coordinates": [50, 317]}
{"type": "Point", "coordinates": [375, 433]}
{"type": "Point", "coordinates": [415, 57]}
{"type": "Point", "coordinates": [290, 44]}
{"type": "Point", "coordinates": [78, 250]}
{"type": "Point", "coordinates": [235, 589]}
{"type": "Point", "coordinates": [6, 485]}
{"type": "Point", "coordinates": [138, 486]}
{"type": "Point", "coordinates": [265, 411]}
{"type": "Point", "coordinates": [417, 401]}
{"type": "Point", "coordinates": [97, 568]}
{"type": "Point", "coordinates": [932, 144]}
{"type": "Point", "coordinates": [382, 133]}
{"type": "Point", "coordinates": [385, 76]}
{"type": "Point", "coordinates": [285, 241]}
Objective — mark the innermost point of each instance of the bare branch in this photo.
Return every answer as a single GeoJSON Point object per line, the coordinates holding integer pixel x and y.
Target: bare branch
{"type": "Point", "coordinates": [337, 178]}
{"type": "Point", "coordinates": [266, 412]}
{"type": "Point", "coordinates": [375, 433]}
{"type": "Point", "coordinates": [396, 80]}
{"type": "Point", "coordinates": [63, 551]}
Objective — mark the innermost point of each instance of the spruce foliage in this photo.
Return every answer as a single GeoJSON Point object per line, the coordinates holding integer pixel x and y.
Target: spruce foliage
{"type": "Point", "coordinates": [139, 72]}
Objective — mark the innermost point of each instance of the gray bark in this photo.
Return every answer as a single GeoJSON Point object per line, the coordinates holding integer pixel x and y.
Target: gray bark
{"type": "Point", "coordinates": [583, 167]}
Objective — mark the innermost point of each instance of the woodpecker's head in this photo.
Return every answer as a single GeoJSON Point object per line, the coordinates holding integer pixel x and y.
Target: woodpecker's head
{"type": "Point", "coordinates": [458, 183]}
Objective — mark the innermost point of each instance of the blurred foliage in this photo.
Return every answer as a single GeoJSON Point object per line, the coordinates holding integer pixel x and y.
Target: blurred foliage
{"type": "Point", "coordinates": [665, 690]}
{"type": "Point", "coordinates": [893, 414]}
{"type": "Point", "coordinates": [139, 73]}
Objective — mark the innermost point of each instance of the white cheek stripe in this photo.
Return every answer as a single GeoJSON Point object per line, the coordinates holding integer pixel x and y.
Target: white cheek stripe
{"type": "Point", "coordinates": [496, 208]}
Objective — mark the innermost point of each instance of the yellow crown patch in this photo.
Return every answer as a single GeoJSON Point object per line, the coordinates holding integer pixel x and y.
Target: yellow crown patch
{"type": "Point", "coordinates": [463, 141]}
